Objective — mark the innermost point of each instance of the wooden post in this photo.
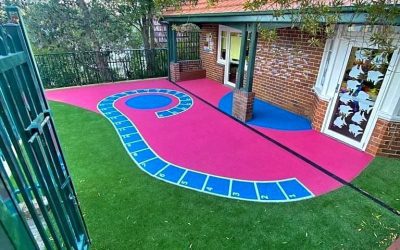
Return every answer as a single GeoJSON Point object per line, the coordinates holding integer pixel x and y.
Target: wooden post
{"type": "Point", "coordinates": [242, 58]}
{"type": "Point", "coordinates": [252, 58]}
{"type": "Point", "coordinates": [173, 49]}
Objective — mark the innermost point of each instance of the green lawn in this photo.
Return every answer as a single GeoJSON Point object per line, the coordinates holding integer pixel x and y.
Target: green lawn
{"type": "Point", "coordinates": [382, 180]}
{"type": "Point", "coordinates": [127, 209]}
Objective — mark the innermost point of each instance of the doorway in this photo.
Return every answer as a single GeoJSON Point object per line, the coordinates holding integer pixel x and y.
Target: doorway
{"type": "Point", "coordinates": [364, 73]}
{"type": "Point", "coordinates": [229, 48]}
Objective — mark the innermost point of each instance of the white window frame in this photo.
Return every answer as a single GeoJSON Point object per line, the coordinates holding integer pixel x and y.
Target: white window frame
{"type": "Point", "coordinates": [342, 55]}
{"type": "Point", "coordinates": [225, 63]}
{"type": "Point", "coordinates": [227, 30]}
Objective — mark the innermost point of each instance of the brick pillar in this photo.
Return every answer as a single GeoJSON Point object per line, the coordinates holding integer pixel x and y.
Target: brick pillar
{"type": "Point", "coordinates": [385, 139]}
{"type": "Point", "coordinates": [318, 113]}
{"type": "Point", "coordinates": [242, 106]}
{"type": "Point", "coordinates": [174, 69]}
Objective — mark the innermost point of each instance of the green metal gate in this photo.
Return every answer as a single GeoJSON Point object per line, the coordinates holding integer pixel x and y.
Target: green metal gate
{"type": "Point", "coordinates": [38, 204]}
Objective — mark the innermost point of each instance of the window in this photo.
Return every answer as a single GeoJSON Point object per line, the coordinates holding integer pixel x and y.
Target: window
{"type": "Point", "coordinates": [222, 44]}
{"type": "Point", "coordinates": [229, 40]}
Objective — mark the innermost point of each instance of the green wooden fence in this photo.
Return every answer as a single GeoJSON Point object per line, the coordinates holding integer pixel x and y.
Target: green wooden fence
{"type": "Point", "coordinates": [82, 68]}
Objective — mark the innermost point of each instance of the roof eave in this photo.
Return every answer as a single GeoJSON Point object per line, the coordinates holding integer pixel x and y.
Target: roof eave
{"type": "Point", "coordinates": [347, 16]}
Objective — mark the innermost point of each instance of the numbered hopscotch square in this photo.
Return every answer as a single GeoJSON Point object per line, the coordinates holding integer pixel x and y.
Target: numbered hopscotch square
{"type": "Point", "coordinates": [112, 113]}
{"type": "Point", "coordinates": [122, 124]}
{"type": "Point", "coordinates": [193, 180]}
{"type": "Point", "coordinates": [135, 146]}
{"type": "Point", "coordinates": [129, 138]}
{"type": "Point", "coordinates": [182, 106]}
{"type": "Point", "coordinates": [175, 110]}
{"type": "Point", "coordinates": [104, 104]}
{"type": "Point", "coordinates": [294, 189]}
{"type": "Point", "coordinates": [171, 173]}
{"type": "Point", "coordinates": [119, 118]}
{"type": "Point", "coordinates": [143, 155]}
{"type": "Point", "coordinates": [188, 103]}
{"type": "Point", "coordinates": [153, 166]}
{"type": "Point", "coordinates": [126, 130]}
{"type": "Point", "coordinates": [217, 185]}
{"type": "Point", "coordinates": [244, 190]}
{"type": "Point", "coordinates": [109, 109]}
{"type": "Point", "coordinates": [164, 114]}
{"type": "Point", "coordinates": [270, 191]}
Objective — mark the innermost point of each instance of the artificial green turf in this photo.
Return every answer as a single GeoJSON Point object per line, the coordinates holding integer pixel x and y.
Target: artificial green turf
{"type": "Point", "coordinates": [127, 209]}
{"type": "Point", "coordinates": [382, 180]}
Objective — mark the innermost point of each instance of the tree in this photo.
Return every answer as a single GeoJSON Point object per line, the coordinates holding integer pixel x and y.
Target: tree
{"type": "Point", "coordinates": [76, 25]}
{"type": "Point", "coordinates": [139, 14]}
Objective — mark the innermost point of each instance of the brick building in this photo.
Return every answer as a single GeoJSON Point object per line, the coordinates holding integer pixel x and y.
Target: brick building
{"type": "Point", "coordinates": [346, 88]}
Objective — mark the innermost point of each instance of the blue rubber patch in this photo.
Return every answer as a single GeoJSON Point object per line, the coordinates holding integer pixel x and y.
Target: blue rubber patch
{"type": "Point", "coordinates": [148, 101]}
{"type": "Point", "coordinates": [294, 189]}
{"type": "Point", "coordinates": [270, 191]}
{"type": "Point", "coordinates": [268, 116]}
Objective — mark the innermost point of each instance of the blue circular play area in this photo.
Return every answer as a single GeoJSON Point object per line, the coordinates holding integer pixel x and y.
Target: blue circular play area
{"type": "Point", "coordinates": [148, 101]}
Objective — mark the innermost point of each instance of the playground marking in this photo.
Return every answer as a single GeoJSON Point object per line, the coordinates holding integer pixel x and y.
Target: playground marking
{"type": "Point", "coordinates": [161, 169]}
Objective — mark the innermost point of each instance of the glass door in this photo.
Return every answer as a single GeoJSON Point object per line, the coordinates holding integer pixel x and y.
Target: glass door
{"type": "Point", "coordinates": [229, 40]}
{"type": "Point", "coordinates": [357, 94]}
{"type": "Point", "coordinates": [234, 54]}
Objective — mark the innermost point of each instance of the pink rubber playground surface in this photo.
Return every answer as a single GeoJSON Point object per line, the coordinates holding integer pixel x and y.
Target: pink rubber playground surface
{"type": "Point", "coordinates": [205, 140]}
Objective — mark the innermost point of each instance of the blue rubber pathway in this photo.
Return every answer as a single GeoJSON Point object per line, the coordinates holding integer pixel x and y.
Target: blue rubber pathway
{"type": "Point", "coordinates": [269, 116]}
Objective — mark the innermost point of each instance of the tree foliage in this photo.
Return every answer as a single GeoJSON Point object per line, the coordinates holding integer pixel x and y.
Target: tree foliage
{"type": "Point", "coordinates": [76, 25]}
{"type": "Point", "coordinates": [320, 17]}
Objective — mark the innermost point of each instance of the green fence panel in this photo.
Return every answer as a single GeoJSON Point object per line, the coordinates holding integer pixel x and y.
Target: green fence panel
{"type": "Point", "coordinates": [32, 167]}
{"type": "Point", "coordinates": [82, 68]}
{"type": "Point", "coordinates": [188, 46]}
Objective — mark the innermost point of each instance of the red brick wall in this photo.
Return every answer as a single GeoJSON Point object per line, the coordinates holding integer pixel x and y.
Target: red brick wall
{"type": "Point", "coordinates": [189, 65]}
{"type": "Point", "coordinates": [286, 70]}
{"type": "Point", "coordinates": [385, 139]}
{"type": "Point", "coordinates": [214, 70]}
{"type": "Point", "coordinates": [186, 70]}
